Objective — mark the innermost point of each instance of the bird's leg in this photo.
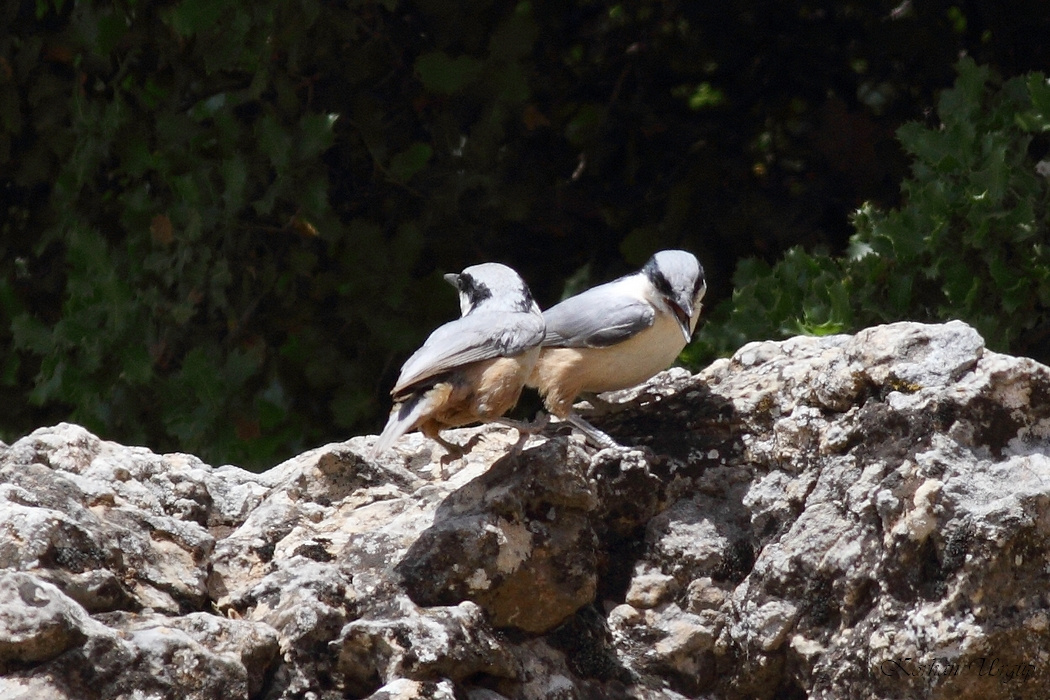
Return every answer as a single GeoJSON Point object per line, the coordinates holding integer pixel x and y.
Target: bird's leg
{"type": "Point", "coordinates": [526, 429]}
{"type": "Point", "coordinates": [453, 450]}
{"type": "Point", "coordinates": [597, 437]}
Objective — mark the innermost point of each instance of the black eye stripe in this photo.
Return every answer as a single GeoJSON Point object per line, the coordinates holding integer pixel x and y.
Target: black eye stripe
{"type": "Point", "coordinates": [685, 270]}
{"type": "Point", "coordinates": [525, 301]}
{"type": "Point", "coordinates": [698, 284]}
{"type": "Point", "coordinates": [476, 292]}
{"type": "Point", "coordinates": [663, 285]}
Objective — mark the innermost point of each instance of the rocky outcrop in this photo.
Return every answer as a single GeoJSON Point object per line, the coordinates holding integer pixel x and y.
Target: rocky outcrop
{"type": "Point", "coordinates": [840, 517]}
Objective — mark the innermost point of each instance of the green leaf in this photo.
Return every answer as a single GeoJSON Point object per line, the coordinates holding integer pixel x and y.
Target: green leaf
{"type": "Point", "coordinates": [241, 365]}
{"type": "Point", "coordinates": [445, 75]}
{"type": "Point", "coordinates": [961, 103]}
{"type": "Point", "coordinates": [190, 17]}
{"type": "Point", "coordinates": [186, 190]}
{"type": "Point", "coordinates": [235, 180]}
{"type": "Point", "coordinates": [705, 95]}
{"type": "Point", "coordinates": [313, 195]}
{"type": "Point", "coordinates": [315, 136]}
{"type": "Point", "coordinates": [137, 368]}
{"type": "Point", "coordinates": [404, 165]}
{"type": "Point", "coordinates": [275, 141]}
{"type": "Point", "coordinates": [583, 127]}
{"type": "Point", "coordinates": [111, 29]}
{"type": "Point", "coordinates": [512, 85]}
{"type": "Point", "coordinates": [638, 245]}
{"type": "Point", "coordinates": [810, 327]}
{"type": "Point", "coordinates": [899, 292]}
{"type": "Point", "coordinates": [515, 36]}
{"type": "Point", "coordinates": [350, 405]}
{"type": "Point", "coordinates": [31, 334]}
{"type": "Point", "coordinates": [50, 381]}
{"type": "Point", "coordinates": [1038, 118]}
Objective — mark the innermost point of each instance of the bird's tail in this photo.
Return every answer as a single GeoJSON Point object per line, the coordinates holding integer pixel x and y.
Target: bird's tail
{"type": "Point", "coordinates": [404, 418]}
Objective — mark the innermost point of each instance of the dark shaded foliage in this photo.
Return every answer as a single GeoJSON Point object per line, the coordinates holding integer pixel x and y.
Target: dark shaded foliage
{"type": "Point", "coordinates": [970, 240]}
{"type": "Point", "coordinates": [223, 225]}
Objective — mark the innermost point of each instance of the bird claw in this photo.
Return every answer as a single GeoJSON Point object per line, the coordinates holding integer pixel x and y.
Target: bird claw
{"type": "Point", "coordinates": [526, 429]}
{"type": "Point", "coordinates": [454, 451]}
{"type": "Point", "coordinates": [597, 437]}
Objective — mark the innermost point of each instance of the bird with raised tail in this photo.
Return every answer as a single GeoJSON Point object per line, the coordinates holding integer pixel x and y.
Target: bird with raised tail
{"type": "Point", "coordinates": [472, 369]}
{"type": "Point", "coordinates": [618, 334]}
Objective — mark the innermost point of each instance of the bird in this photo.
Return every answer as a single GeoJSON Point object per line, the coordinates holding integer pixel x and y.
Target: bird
{"type": "Point", "coordinates": [618, 334]}
{"type": "Point", "coordinates": [471, 369]}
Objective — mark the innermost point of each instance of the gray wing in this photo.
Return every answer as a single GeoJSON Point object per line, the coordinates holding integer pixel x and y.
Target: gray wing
{"type": "Point", "coordinates": [475, 337]}
{"type": "Point", "coordinates": [595, 319]}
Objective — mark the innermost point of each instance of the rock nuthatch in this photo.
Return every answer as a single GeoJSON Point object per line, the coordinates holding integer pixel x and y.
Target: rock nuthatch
{"type": "Point", "coordinates": [471, 369]}
{"type": "Point", "coordinates": [618, 334]}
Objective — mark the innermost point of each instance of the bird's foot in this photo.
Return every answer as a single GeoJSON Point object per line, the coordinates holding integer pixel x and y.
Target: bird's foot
{"type": "Point", "coordinates": [526, 429]}
{"type": "Point", "coordinates": [597, 437]}
{"type": "Point", "coordinates": [454, 451]}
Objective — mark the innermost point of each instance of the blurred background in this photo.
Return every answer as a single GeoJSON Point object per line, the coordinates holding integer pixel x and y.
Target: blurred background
{"type": "Point", "coordinates": [223, 225]}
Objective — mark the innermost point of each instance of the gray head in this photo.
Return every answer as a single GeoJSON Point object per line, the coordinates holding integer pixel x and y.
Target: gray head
{"type": "Point", "coordinates": [679, 279]}
{"type": "Point", "coordinates": [492, 287]}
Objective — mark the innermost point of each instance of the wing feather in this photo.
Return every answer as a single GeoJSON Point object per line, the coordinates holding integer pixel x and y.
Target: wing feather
{"type": "Point", "coordinates": [597, 318]}
{"type": "Point", "coordinates": [472, 338]}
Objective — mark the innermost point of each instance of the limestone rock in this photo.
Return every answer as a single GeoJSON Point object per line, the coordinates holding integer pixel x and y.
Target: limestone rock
{"type": "Point", "coordinates": [37, 622]}
{"type": "Point", "coordinates": [840, 517]}
{"type": "Point", "coordinates": [519, 540]}
{"type": "Point", "coordinates": [56, 650]}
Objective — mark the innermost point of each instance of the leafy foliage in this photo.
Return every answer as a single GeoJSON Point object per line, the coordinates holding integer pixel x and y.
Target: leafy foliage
{"type": "Point", "coordinates": [969, 242]}
{"type": "Point", "coordinates": [181, 240]}
{"type": "Point", "coordinates": [222, 225]}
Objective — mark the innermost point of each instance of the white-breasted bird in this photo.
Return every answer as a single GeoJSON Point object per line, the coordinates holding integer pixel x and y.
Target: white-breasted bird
{"type": "Point", "coordinates": [618, 334]}
{"type": "Point", "coordinates": [471, 369]}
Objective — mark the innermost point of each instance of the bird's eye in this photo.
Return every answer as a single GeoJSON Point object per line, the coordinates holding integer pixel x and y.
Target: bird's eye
{"type": "Point", "coordinates": [699, 285]}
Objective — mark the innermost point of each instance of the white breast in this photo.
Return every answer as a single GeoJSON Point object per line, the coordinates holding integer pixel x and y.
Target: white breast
{"type": "Point", "coordinates": [633, 361]}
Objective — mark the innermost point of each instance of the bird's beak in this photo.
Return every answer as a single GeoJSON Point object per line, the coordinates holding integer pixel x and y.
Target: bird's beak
{"type": "Point", "coordinates": [683, 313]}
{"type": "Point", "coordinates": [453, 279]}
